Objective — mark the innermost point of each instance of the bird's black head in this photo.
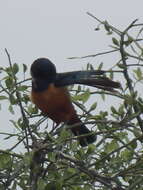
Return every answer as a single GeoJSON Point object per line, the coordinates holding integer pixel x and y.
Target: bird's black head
{"type": "Point", "coordinates": [43, 68]}
{"type": "Point", "coordinates": [43, 72]}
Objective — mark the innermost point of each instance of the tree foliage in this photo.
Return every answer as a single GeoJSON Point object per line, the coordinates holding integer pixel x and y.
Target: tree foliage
{"type": "Point", "coordinates": [51, 158]}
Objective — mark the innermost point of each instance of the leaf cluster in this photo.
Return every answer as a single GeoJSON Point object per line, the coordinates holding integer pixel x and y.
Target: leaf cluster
{"type": "Point", "coordinates": [51, 158]}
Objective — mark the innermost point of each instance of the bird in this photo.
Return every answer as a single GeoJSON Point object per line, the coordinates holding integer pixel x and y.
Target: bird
{"type": "Point", "coordinates": [50, 94]}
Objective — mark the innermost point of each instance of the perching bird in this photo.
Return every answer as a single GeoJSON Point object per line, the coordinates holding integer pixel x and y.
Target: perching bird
{"type": "Point", "coordinates": [50, 95]}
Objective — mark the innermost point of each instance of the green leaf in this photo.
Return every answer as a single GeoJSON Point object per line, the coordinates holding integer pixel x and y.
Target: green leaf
{"type": "Point", "coordinates": [24, 68]}
{"type": "Point", "coordinates": [129, 41]}
{"type": "Point", "coordinates": [91, 149]}
{"type": "Point", "coordinates": [8, 71]}
{"type": "Point", "coordinates": [10, 108]}
{"type": "Point", "coordinates": [73, 145]}
{"type": "Point", "coordinates": [28, 158]}
{"type": "Point", "coordinates": [52, 156]}
{"type": "Point", "coordinates": [111, 74]}
{"type": "Point", "coordinates": [100, 66]}
{"type": "Point", "coordinates": [126, 155]}
{"type": "Point", "coordinates": [121, 110]}
{"type": "Point", "coordinates": [113, 110]}
{"type": "Point", "coordinates": [107, 27]}
{"type": "Point", "coordinates": [23, 124]}
{"type": "Point", "coordinates": [115, 41]}
{"type": "Point", "coordinates": [80, 155]}
{"type": "Point", "coordinates": [50, 186]}
{"type": "Point", "coordinates": [85, 96]}
{"type": "Point", "coordinates": [138, 73]}
{"type": "Point", "coordinates": [122, 135]}
{"type": "Point", "coordinates": [64, 134]}
{"type": "Point", "coordinates": [15, 68]}
{"type": "Point", "coordinates": [3, 98]}
{"type": "Point", "coordinates": [103, 114]}
{"type": "Point", "coordinates": [1, 69]}
{"type": "Point", "coordinates": [71, 171]}
{"type": "Point", "coordinates": [5, 161]}
{"type": "Point", "coordinates": [129, 99]}
{"type": "Point", "coordinates": [26, 99]}
{"type": "Point", "coordinates": [9, 83]}
{"type": "Point", "coordinates": [137, 132]}
{"type": "Point", "coordinates": [133, 145]}
{"type": "Point", "coordinates": [87, 66]}
{"type": "Point", "coordinates": [59, 184]}
{"type": "Point", "coordinates": [121, 66]}
{"type": "Point", "coordinates": [103, 96]}
{"type": "Point", "coordinates": [97, 28]}
{"type": "Point", "coordinates": [111, 146]}
{"type": "Point", "coordinates": [78, 89]}
{"type": "Point", "coordinates": [82, 97]}
{"type": "Point", "coordinates": [41, 184]}
{"type": "Point", "coordinates": [22, 88]}
{"type": "Point", "coordinates": [32, 109]}
{"type": "Point", "coordinates": [91, 67]}
{"type": "Point", "coordinates": [93, 106]}
{"type": "Point", "coordinates": [12, 99]}
{"type": "Point", "coordinates": [109, 33]}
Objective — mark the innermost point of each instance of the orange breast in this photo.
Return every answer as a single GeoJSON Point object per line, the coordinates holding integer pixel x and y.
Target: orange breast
{"type": "Point", "coordinates": [55, 102]}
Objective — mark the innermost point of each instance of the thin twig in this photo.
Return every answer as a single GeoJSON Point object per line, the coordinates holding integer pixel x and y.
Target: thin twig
{"type": "Point", "coordinates": [25, 121]}
{"type": "Point", "coordinates": [95, 55]}
{"type": "Point", "coordinates": [126, 75]}
{"type": "Point", "coordinates": [105, 22]}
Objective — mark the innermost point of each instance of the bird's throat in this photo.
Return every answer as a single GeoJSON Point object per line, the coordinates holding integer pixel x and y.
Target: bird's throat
{"type": "Point", "coordinates": [40, 85]}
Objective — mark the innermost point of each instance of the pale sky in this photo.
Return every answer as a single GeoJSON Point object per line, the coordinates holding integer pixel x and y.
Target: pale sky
{"type": "Point", "coordinates": [59, 29]}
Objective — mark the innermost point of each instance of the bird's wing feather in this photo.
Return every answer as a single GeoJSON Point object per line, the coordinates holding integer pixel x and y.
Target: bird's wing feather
{"type": "Point", "coordinates": [93, 78]}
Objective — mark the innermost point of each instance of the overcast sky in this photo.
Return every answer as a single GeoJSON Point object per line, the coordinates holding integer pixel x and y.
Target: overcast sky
{"type": "Point", "coordinates": [58, 29]}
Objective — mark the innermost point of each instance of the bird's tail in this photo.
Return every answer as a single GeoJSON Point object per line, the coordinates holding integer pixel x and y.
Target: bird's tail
{"type": "Point", "coordinates": [101, 82]}
{"type": "Point", "coordinates": [80, 129]}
